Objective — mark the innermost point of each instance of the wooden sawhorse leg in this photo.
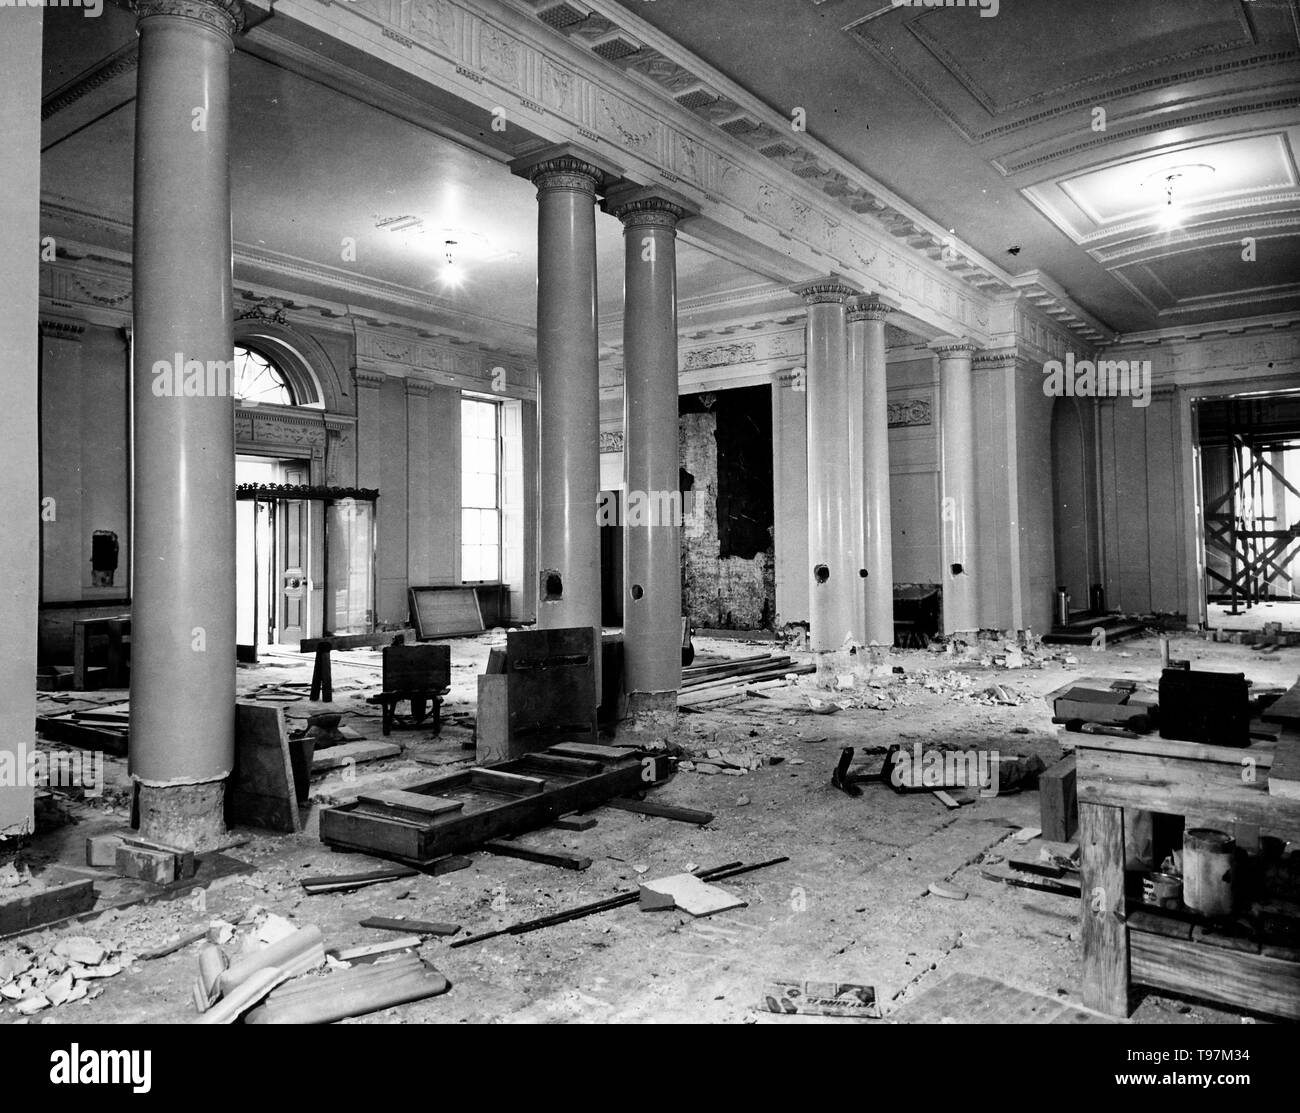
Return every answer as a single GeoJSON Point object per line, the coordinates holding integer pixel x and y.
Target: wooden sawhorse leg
{"type": "Point", "coordinates": [1103, 921]}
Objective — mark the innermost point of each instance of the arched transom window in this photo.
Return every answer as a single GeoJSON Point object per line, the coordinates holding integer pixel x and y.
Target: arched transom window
{"type": "Point", "coordinates": [257, 380]}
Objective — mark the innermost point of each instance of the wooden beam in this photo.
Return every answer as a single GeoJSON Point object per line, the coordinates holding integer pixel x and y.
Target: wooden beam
{"type": "Point", "coordinates": [55, 903]}
{"type": "Point", "coordinates": [561, 858]}
{"type": "Point", "coordinates": [1105, 934]}
{"type": "Point", "coordinates": [663, 811]}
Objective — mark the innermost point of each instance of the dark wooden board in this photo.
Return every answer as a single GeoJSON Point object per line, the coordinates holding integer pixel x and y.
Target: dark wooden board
{"type": "Point", "coordinates": [21, 914]}
{"type": "Point", "coordinates": [1286, 708]}
{"type": "Point", "coordinates": [560, 858]}
{"type": "Point", "coordinates": [261, 791]}
{"type": "Point", "coordinates": [1058, 801]}
{"type": "Point", "coordinates": [664, 811]}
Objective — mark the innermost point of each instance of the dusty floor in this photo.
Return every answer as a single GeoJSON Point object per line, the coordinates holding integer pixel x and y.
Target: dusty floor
{"type": "Point", "coordinates": [852, 904]}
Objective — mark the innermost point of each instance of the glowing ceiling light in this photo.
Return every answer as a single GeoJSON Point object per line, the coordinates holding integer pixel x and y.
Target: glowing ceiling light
{"type": "Point", "coordinates": [452, 274]}
{"type": "Point", "coordinates": [1171, 213]}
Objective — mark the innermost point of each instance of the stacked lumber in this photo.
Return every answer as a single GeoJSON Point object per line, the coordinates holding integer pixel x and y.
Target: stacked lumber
{"type": "Point", "coordinates": [716, 680]}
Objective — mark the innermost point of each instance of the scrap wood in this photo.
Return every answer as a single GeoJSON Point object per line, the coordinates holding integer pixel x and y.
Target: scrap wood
{"type": "Point", "coordinates": [346, 882]}
{"type": "Point", "coordinates": [663, 811]}
{"type": "Point", "coordinates": [414, 927]}
{"type": "Point", "coordinates": [374, 950]}
{"type": "Point", "coordinates": [561, 858]}
{"type": "Point", "coordinates": [796, 997]}
{"type": "Point", "coordinates": [618, 900]}
{"type": "Point", "coordinates": [1058, 888]}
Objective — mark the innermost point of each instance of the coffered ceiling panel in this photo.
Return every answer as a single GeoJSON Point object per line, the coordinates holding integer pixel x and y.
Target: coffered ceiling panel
{"type": "Point", "coordinates": [1043, 133]}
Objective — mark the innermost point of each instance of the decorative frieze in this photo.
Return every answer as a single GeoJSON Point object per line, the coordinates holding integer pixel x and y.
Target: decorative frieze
{"type": "Point", "coordinates": [720, 355]}
{"type": "Point", "coordinates": [908, 412]}
{"type": "Point", "coordinates": [611, 441]}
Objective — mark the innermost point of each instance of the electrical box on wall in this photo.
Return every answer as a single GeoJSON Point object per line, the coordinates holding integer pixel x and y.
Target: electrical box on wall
{"type": "Point", "coordinates": [103, 557]}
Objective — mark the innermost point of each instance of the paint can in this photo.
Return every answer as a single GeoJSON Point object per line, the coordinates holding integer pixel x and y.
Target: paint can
{"type": "Point", "coordinates": [1163, 890]}
{"type": "Point", "coordinates": [1207, 871]}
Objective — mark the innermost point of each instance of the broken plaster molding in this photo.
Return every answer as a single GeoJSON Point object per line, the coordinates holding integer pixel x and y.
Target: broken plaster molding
{"type": "Point", "coordinates": [567, 94]}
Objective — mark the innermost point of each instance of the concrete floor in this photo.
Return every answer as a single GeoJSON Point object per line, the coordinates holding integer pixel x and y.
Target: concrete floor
{"type": "Point", "coordinates": [851, 905]}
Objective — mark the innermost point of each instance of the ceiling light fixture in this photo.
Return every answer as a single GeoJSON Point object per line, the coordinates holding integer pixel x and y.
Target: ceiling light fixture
{"type": "Point", "coordinates": [1171, 213]}
{"type": "Point", "coordinates": [452, 275]}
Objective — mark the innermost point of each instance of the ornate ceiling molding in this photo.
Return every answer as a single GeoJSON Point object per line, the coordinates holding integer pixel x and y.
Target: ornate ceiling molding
{"type": "Point", "coordinates": [116, 65]}
{"type": "Point", "coordinates": [568, 92]}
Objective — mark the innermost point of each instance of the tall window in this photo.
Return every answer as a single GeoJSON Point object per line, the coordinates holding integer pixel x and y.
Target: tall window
{"type": "Point", "coordinates": [480, 490]}
{"type": "Point", "coordinates": [258, 380]}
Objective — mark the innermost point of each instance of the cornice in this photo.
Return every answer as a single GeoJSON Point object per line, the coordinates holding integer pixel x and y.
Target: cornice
{"type": "Point", "coordinates": [61, 330]}
{"type": "Point", "coordinates": [371, 379]}
{"type": "Point", "coordinates": [569, 93]}
{"type": "Point", "coordinates": [117, 64]}
{"type": "Point", "coordinates": [1243, 326]}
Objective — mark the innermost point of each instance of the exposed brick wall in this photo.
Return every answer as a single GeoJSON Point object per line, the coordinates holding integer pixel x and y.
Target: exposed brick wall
{"type": "Point", "coordinates": [725, 444]}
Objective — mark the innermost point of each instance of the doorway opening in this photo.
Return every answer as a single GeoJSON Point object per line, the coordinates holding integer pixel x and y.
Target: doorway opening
{"type": "Point", "coordinates": [1249, 449]}
{"type": "Point", "coordinates": [272, 557]}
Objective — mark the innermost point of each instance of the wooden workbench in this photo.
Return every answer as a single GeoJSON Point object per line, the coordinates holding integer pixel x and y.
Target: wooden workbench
{"type": "Point", "coordinates": [1221, 786]}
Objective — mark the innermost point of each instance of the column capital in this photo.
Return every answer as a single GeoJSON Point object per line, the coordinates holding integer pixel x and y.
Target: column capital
{"type": "Point", "coordinates": [226, 16]}
{"type": "Point", "coordinates": [420, 387]}
{"type": "Point", "coordinates": [566, 167]}
{"type": "Point", "coordinates": [646, 206]}
{"type": "Point", "coordinates": [868, 309]}
{"type": "Point", "coordinates": [829, 289]}
{"type": "Point", "coordinates": [953, 347]}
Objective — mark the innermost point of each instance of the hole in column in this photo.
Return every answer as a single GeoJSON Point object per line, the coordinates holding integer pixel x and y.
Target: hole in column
{"type": "Point", "coordinates": [552, 586]}
{"type": "Point", "coordinates": [821, 573]}
{"type": "Point", "coordinates": [862, 572]}
{"type": "Point", "coordinates": [637, 591]}
{"type": "Point", "coordinates": [958, 569]}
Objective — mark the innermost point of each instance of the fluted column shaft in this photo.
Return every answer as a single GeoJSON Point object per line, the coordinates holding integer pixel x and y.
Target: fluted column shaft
{"type": "Point", "coordinates": [870, 415]}
{"type": "Point", "coordinates": [183, 446]}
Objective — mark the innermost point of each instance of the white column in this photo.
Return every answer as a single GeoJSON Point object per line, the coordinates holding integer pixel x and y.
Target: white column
{"type": "Point", "coordinates": [870, 414]}
{"type": "Point", "coordinates": [957, 479]}
{"type": "Point", "coordinates": [831, 590]}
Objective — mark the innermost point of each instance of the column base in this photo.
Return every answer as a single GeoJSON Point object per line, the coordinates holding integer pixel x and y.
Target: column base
{"type": "Point", "coordinates": [189, 816]}
{"type": "Point", "coordinates": [651, 718]}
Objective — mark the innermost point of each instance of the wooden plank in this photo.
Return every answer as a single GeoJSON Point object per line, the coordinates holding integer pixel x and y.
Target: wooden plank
{"type": "Point", "coordinates": [64, 728]}
{"type": "Point", "coordinates": [492, 721]}
{"type": "Point", "coordinates": [349, 754]}
{"type": "Point", "coordinates": [1286, 708]}
{"type": "Point", "coordinates": [45, 907]}
{"type": "Point", "coordinates": [413, 927]}
{"type": "Point", "coordinates": [348, 881]}
{"type": "Point", "coordinates": [1256, 982]}
{"type": "Point", "coordinates": [589, 750]}
{"type": "Point", "coordinates": [1105, 936]}
{"type": "Point", "coordinates": [664, 811]}
{"type": "Point", "coordinates": [1058, 803]}
{"type": "Point", "coordinates": [261, 790]}
{"type": "Point", "coordinates": [561, 858]}
{"type": "Point", "coordinates": [546, 761]}
{"type": "Point", "coordinates": [500, 781]}
{"type": "Point", "coordinates": [1194, 788]}
{"type": "Point", "coordinates": [1284, 776]}
{"type": "Point", "coordinates": [1261, 753]}
{"type": "Point", "coordinates": [413, 805]}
